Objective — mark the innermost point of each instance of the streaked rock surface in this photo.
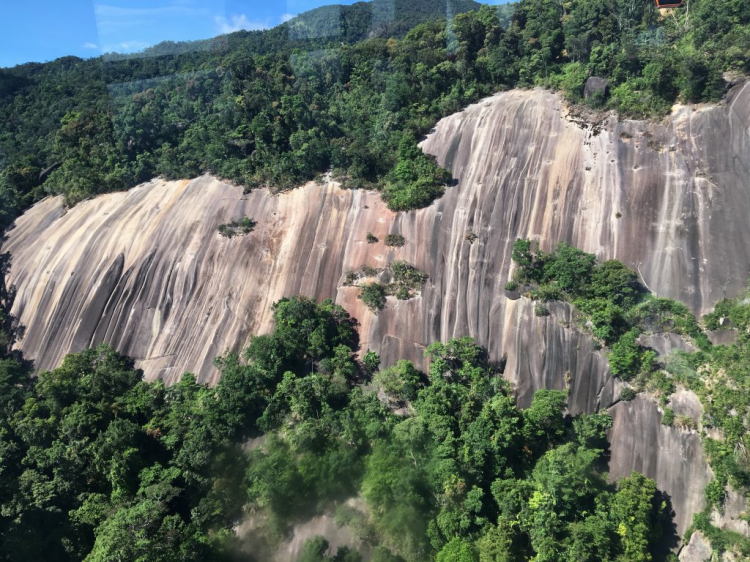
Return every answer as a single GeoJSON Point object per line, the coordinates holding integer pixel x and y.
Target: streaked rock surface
{"type": "Point", "coordinates": [734, 515]}
{"type": "Point", "coordinates": [147, 271]}
{"type": "Point", "coordinates": [697, 550]}
{"type": "Point", "coordinates": [672, 457]}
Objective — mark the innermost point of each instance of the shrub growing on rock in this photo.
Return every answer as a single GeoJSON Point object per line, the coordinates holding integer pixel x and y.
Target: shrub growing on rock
{"type": "Point", "coordinates": [668, 417]}
{"type": "Point", "coordinates": [373, 296]}
{"type": "Point", "coordinates": [395, 240]}
{"type": "Point", "coordinates": [401, 381]}
{"type": "Point", "coordinates": [237, 228]}
{"type": "Point", "coordinates": [541, 310]}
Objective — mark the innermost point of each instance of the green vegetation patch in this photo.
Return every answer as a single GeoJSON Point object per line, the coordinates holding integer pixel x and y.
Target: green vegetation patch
{"type": "Point", "coordinates": [98, 464]}
{"type": "Point", "coordinates": [719, 376]}
{"type": "Point", "coordinates": [618, 310]}
{"type": "Point", "coordinates": [609, 299]}
{"type": "Point", "coordinates": [280, 107]}
{"type": "Point", "coordinates": [373, 295]}
{"type": "Point", "coordinates": [237, 228]}
{"type": "Point", "coordinates": [395, 240]}
{"type": "Point", "coordinates": [399, 279]}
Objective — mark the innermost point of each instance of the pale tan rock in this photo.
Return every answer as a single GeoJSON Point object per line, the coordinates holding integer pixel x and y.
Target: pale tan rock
{"type": "Point", "coordinates": [686, 403]}
{"type": "Point", "coordinates": [147, 271]}
{"type": "Point", "coordinates": [697, 550]}
{"type": "Point", "coordinates": [731, 518]}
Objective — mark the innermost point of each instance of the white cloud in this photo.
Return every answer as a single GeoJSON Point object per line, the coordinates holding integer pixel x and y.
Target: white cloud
{"type": "Point", "coordinates": [88, 45]}
{"type": "Point", "coordinates": [125, 47]}
{"type": "Point", "coordinates": [130, 46]}
{"type": "Point", "coordinates": [237, 22]}
{"type": "Point", "coordinates": [286, 17]}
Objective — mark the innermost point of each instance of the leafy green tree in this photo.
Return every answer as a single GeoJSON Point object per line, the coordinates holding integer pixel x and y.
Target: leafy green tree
{"type": "Point", "coordinates": [401, 381]}
{"type": "Point", "coordinates": [637, 512]}
{"type": "Point", "coordinates": [373, 296]}
{"type": "Point", "coordinates": [457, 550]}
{"type": "Point", "coordinates": [544, 421]}
{"type": "Point", "coordinates": [613, 281]}
{"type": "Point", "coordinates": [522, 253]}
{"type": "Point", "coordinates": [398, 492]}
{"type": "Point", "coordinates": [571, 268]}
{"type": "Point", "coordinates": [497, 544]}
{"type": "Point", "coordinates": [416, 181]}
{"type": "Point", "coordinates": [625, 358]}
{"type": "Point", "coordinates": [607, 319]}
{"type": "Point", "coordinates": [371, 360]}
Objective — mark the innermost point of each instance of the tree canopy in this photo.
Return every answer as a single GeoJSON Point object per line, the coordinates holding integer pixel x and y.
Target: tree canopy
{"type": "Point", "coordinates": [283, 106]}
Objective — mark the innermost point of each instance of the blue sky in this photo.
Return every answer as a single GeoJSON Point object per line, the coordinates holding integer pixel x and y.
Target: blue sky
{"type": "Point", "coordinates": [43, 30]}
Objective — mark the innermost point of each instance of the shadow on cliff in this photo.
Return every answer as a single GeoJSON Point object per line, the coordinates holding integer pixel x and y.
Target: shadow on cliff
{"type": "Point", "coordinates": [10, 328]}
{"type": "Point", "coordinates": [670, 540]}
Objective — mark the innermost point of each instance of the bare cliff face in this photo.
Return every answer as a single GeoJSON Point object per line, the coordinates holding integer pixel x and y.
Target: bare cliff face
{"type": "Point", "coordinates": [148, 272]}
{"type": "Point", "coordinates": [672, 457]}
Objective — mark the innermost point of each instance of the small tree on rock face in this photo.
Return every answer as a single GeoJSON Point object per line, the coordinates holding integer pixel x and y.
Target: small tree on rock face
{"type": "Point", "coordinates": [373, 296]}
{"type": "Point", "coordinates": [416, 181]}
{"type": "Point", "coordinates": [237, 228]}
{"type": "Point", "coordinates": [613, 281]}
{"type": "Point", "coordinates": [522, 253]}
{"type": "Point", "coordinates": [395, 240]}
{"type": "Point", "coordinates": [571, 268]}
{"type": "Point", "coordinates": [371, 360]}
{"type": "Point", "coordinates": [401, 381]}
{"type": "Point", "coordinates": [625, 357]}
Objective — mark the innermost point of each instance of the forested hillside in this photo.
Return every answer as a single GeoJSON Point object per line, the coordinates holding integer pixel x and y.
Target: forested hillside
{"type": "Point", "coordinates": [279, 107]}
{"type": "Point", "coordinates": [99, 465]}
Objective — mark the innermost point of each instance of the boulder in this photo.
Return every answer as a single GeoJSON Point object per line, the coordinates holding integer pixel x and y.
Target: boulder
{"type": "Point", "coordinates": [596, 85]}
{"type": "Point", "coordinates": [697, 550]}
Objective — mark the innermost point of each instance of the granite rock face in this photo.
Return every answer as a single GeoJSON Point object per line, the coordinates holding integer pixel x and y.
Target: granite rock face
{"type": "Point", "coordinates": [697, 550]}
{"type": "Point", "coordinates": [672, 457]}
{"type": "Point", "coordinates": [665, 343]}
{"type": "Point", "coordinates": [147, 271]}
{"type": "Point", "coordinates": [731, 519]}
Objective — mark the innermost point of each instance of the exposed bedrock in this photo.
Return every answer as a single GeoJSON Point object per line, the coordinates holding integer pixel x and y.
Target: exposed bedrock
{"type": "Point", "coordinates": [672, 457]}
{"type": "Point", "coordinates": [147, 271]}
{"type": "Point", "coordinates": [697, 550]}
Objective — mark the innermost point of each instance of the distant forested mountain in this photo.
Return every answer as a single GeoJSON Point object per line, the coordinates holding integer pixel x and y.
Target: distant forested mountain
{"type": "Point", "coordinates": [343, 88]}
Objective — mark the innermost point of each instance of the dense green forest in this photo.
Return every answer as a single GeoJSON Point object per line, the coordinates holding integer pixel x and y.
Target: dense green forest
{"type": "Point", "coordinates": [97, 464]}
{"type": "Point", "coordinates": [337, 89]}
